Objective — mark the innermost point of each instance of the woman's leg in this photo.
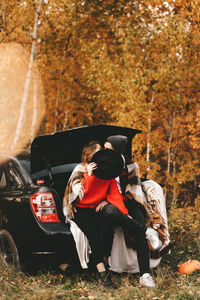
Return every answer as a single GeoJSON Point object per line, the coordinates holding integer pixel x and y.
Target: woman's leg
{"type": "Point", "coordinates": [107, 233]}
{"type": "Point", "coordinates": [125, 221]}
{"type": "Point", "coordinates": [137, 228]}
{"type": "Point", "coordinates": [85, 219]}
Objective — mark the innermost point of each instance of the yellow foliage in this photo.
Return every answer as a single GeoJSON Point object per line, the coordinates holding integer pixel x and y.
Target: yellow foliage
{"type": "Point", "coordinates": [102, 63]}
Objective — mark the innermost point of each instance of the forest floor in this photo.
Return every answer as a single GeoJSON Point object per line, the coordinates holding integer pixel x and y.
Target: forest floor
{"type": "Point", "coordinates": [184, 225]}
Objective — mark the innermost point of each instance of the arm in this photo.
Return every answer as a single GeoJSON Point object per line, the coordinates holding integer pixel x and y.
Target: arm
{"type": "Point", "coordinates": [74, 189]}
{"type": "Point", "coordinates": [81, 179]}
{"type": "Point", "coordinates": [101, 205]}
{"type": "Point", "coordinates": [115, 198]}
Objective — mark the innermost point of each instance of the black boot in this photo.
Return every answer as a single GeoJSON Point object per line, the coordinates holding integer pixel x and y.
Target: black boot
{"type": "Point", "coordinates": [104, 278]}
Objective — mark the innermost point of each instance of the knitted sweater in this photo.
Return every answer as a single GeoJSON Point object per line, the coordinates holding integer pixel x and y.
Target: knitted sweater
{"type": "Point", "coordinates": [96, 190]}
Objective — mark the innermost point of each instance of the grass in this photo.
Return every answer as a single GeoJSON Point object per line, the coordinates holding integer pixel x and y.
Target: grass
{"type": "Point", "coordinates": [47, 285]}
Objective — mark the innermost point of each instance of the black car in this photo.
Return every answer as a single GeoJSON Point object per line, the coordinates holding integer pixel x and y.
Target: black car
{"type": "Point", "coordinates": [32, 186]}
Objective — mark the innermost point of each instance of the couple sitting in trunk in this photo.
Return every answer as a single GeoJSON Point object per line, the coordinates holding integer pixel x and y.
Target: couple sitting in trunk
{"type": "Point", "coordinates": [105, 192]}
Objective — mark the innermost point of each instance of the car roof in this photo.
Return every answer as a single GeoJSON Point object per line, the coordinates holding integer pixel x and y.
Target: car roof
{"type": "Point", "coordinates": [65, 147]}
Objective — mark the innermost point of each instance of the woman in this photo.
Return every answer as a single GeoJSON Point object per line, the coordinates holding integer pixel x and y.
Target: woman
{"type": "Point", "coordinates": [83, 193]}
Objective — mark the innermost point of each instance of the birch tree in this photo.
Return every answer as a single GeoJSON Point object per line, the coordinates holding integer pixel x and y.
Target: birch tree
{"type": "Point", "coordinates": [169, 148]}
{"type": "Point", "coordinates": [2, 17]}
{"type": "Point", "coordinates": [35, 104]}
{"type": "Point", "coordinates": [149, 134]}
{"type": "Point", "coordinates": [28, 79]}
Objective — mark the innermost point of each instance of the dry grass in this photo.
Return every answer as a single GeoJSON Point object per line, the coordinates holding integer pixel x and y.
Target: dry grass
{"type": "Point", "coordinates": [46, 285]}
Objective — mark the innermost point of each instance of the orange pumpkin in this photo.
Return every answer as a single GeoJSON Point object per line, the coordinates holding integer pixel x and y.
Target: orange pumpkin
{"type": "Point", "coordinates": [189, 266]}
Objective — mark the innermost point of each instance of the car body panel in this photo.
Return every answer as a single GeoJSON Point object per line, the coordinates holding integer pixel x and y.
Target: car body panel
{"type": "Point", "coordinates": [65, 147]}
{"type": "Point", "coordinates": [46, 170]}
{"type": "Point", "coordinates": [18, 218]}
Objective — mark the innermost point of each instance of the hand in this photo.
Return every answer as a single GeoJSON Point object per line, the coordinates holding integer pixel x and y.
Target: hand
{"type": "Point", "coordinates": [101, 205]}
{"type": "Point", "coordinates": [74, 209]}
{"type": "Point", "coordinates": [91, 167]}
{"type": "Point", "coordinates": [156, 226]}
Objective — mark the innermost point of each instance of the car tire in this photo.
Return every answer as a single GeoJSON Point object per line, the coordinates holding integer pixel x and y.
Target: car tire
{"type": "Point", "coordinates": [8, 251]}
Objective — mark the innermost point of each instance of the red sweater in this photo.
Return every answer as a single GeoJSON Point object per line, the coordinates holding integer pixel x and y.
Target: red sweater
{"type": "Point", "coordinates": [97, 190]}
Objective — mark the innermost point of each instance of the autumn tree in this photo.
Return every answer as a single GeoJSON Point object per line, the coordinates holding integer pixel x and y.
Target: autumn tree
{"type": "Point", "coordinates": [128, 63]}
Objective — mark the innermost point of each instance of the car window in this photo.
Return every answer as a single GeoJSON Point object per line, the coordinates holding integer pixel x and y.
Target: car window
{"type": "Point", "coordinates": [26, 165]}
{"type": "Point", "coordinates": [2, 180]}
{"type": "Point", "coordinates": [14, 179]}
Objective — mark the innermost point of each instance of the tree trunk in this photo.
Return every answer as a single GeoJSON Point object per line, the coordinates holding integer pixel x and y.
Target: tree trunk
{"type": "Point", "coordinates": [171, 125]}
{"type": "Point", "coordinates": [35, 104]}
{"type": "Point", "coordinates": [28, 80]}
{"type": "Point", "coordinates": [3, 19]}
{"type": "Point", "coordinates": [149, 135]}
{"type": "Point", "coordinates": [169, 150]}
{"type": "Point", "coordinates": [175, 188]}
{"type": "Point", "coordinates": [59, 85]}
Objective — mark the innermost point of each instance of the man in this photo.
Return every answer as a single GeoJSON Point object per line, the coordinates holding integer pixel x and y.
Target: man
{"type": "Point", "coordinates": [134, 203]}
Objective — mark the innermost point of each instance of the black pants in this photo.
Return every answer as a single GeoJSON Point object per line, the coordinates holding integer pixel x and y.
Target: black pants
{"type": "Point", "coordinates": [98, 230]}
{"type": "Point", "coordinates": [135, 227]}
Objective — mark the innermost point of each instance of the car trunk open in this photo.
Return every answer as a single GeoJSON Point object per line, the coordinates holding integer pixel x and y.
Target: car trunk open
{"type": "Point", "coordinates": [54, 156]}
{"type": "Point", "coordinates": [65, 147]}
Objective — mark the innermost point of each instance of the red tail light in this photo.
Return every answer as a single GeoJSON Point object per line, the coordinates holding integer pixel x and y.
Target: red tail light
{"type": "Point", "coordinates": [44, 207]}
{"type": "Point", "coordinates": [39, 181]}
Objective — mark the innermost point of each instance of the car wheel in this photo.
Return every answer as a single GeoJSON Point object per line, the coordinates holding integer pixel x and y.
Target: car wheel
{"type": "Point", "coordinates": [8, 251]}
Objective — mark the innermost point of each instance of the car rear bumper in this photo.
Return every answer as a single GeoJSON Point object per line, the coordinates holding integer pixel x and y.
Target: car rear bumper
{"type": "Point", "coordinates": [55, 228]}
{"type": "Point", "coordinates": [54, 241]}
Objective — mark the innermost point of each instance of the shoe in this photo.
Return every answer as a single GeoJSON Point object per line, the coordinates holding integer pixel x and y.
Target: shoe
{"type": "Point", "coordinates": [147, 280]}
{"type": "Point", "coordinates": [65, 269]}
{"type": "Point", "coordinates": [104, 278]}
{"type": "Point", "coordinates": [153, 238]}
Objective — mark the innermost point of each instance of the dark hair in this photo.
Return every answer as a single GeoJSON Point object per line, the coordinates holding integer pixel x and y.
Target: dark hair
{"type": "Point", "coordinates": [88, 151]}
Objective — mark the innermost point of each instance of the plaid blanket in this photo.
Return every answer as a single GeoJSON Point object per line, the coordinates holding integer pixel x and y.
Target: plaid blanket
{"type": "Point", "coordinates": [133, 189]}
{"type": "Point", "coordinates": [150, 195]}
{"type": "Point", "coordinates": [147, 193]}
{"type": "Point", "coordinates": [73, 190]}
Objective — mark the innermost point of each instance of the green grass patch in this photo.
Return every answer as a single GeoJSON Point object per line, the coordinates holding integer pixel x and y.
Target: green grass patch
{"type": "Point", "coordinates": [47, 285]}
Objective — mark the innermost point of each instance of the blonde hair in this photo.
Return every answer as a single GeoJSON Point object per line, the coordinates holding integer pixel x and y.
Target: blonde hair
{"type": "Point", "coordinates": [88, 151]}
